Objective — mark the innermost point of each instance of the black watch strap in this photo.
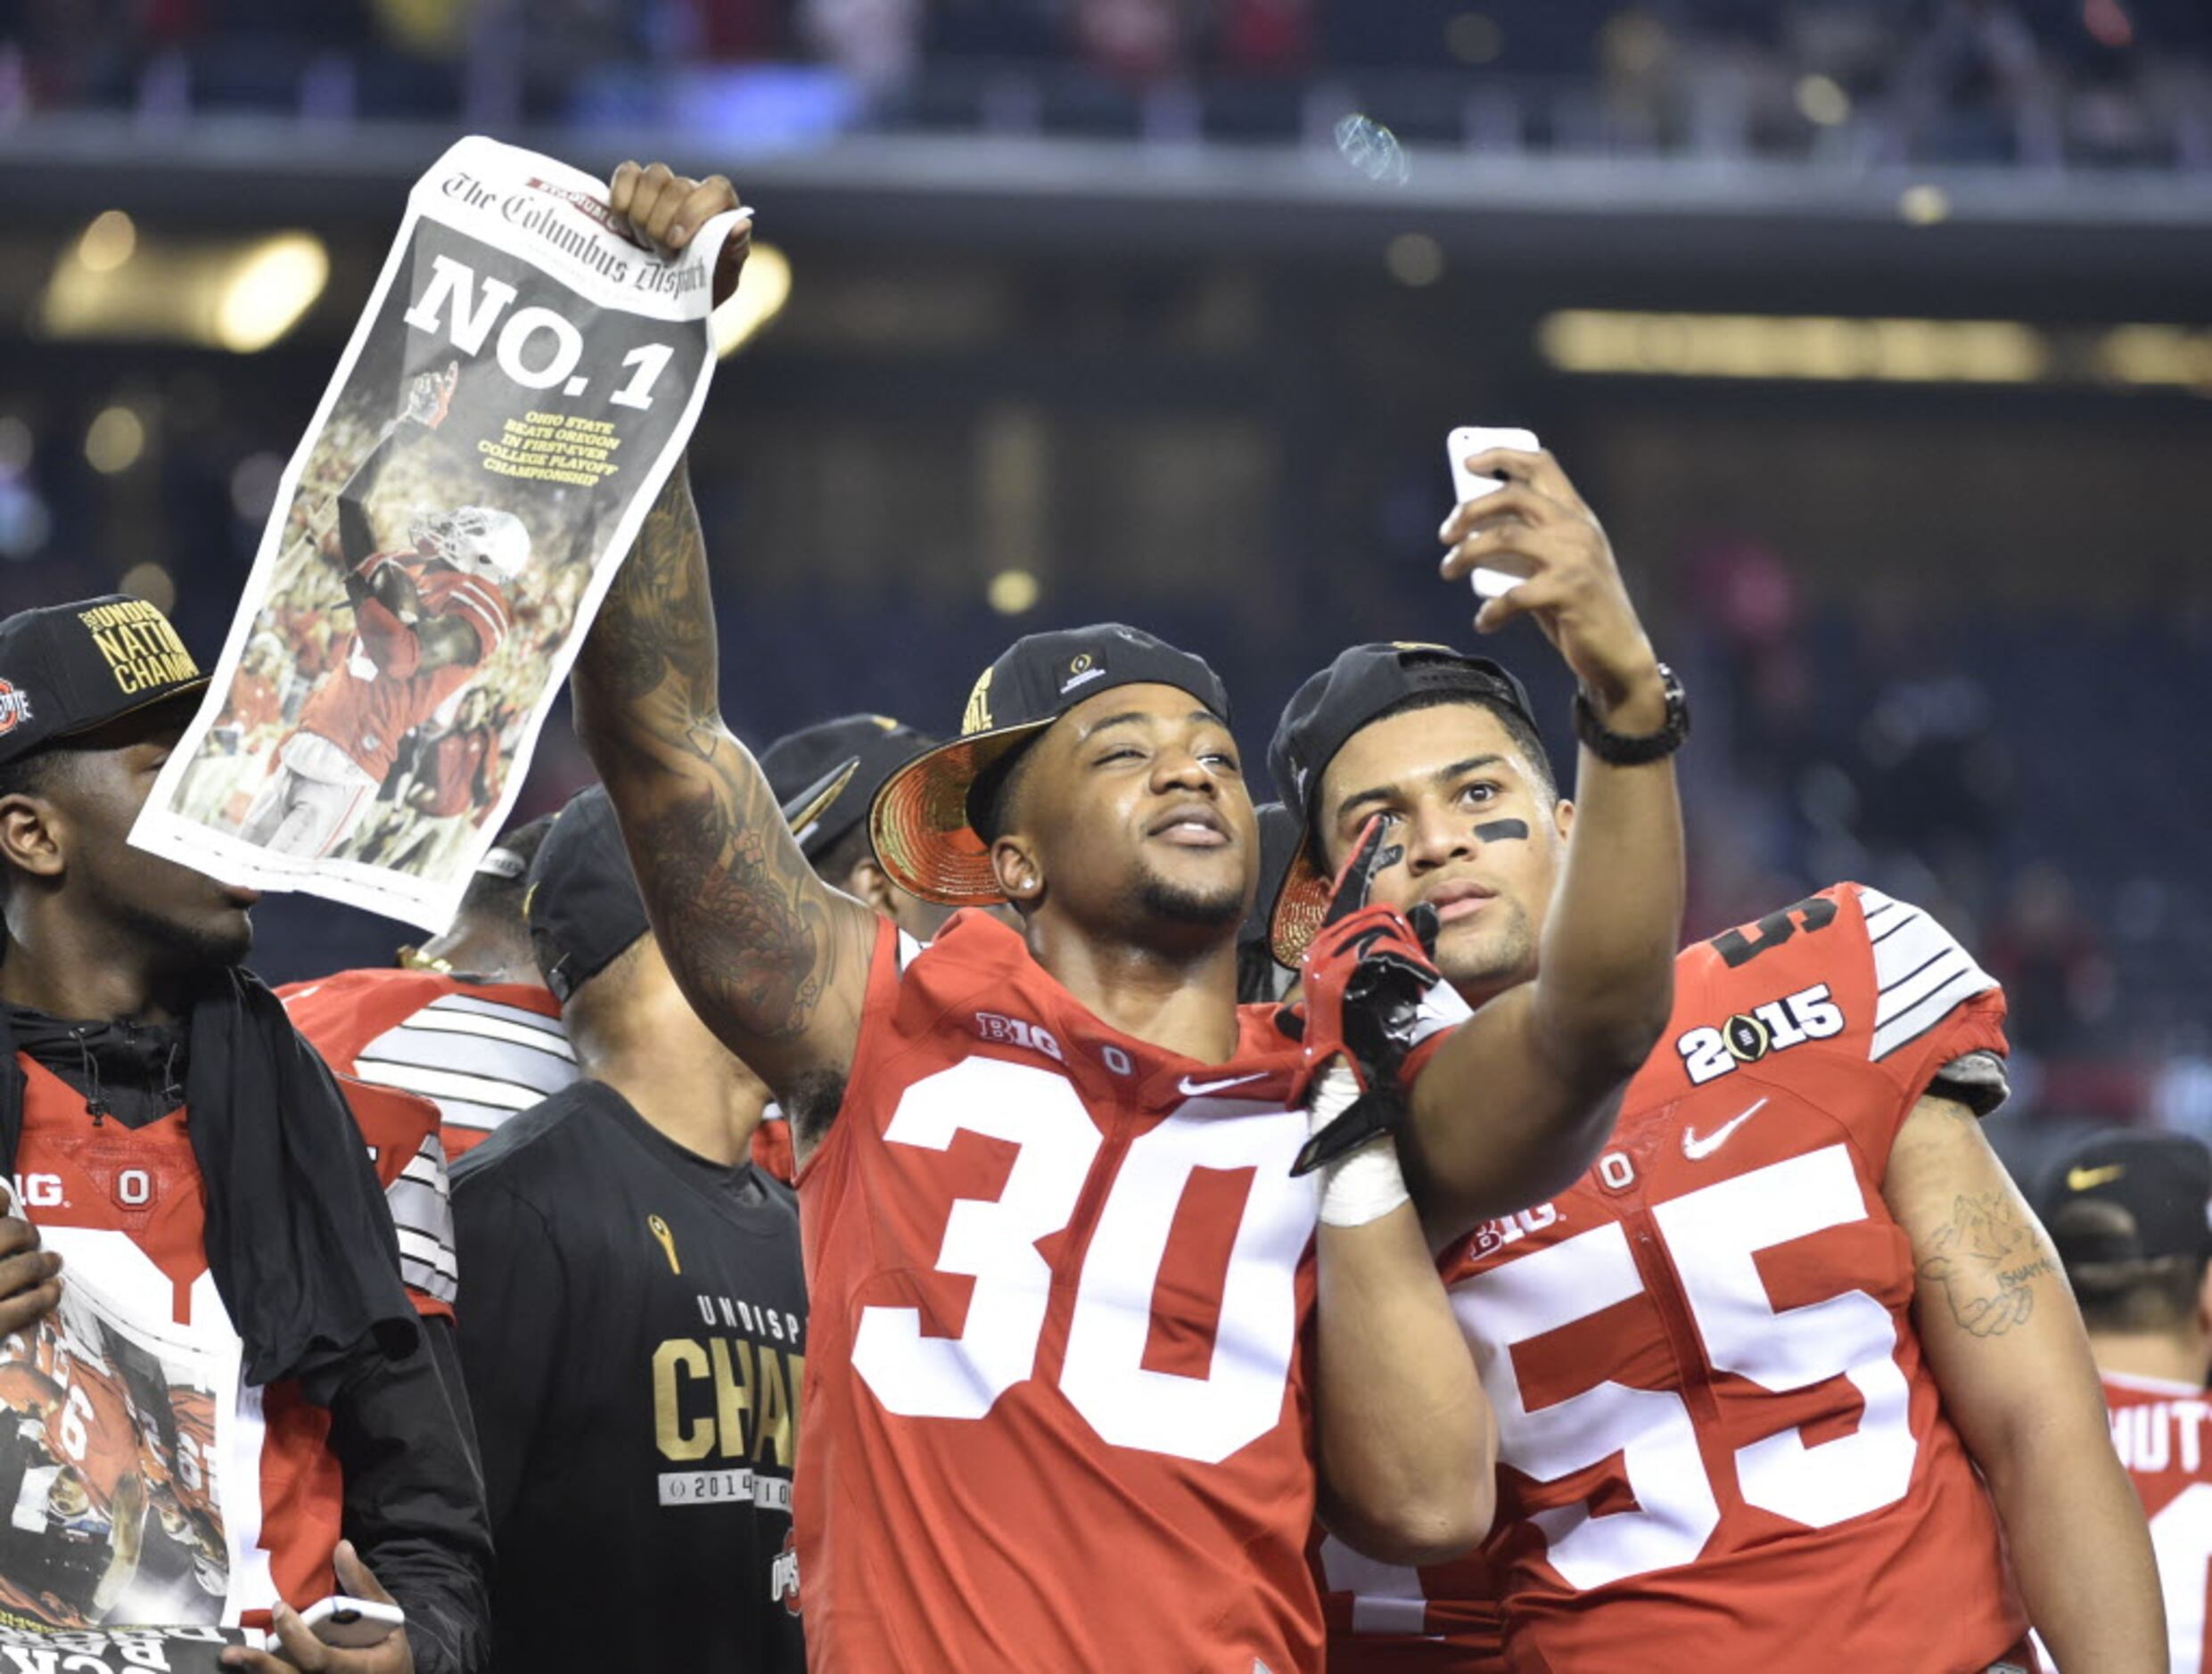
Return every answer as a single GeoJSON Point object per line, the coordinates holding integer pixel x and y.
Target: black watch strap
{"type": "Point", "coordinates": [1616, 751]}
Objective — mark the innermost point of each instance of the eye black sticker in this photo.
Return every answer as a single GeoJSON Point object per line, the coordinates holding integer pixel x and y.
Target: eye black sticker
{"type": "Point", "coordinates": [1499, 831]}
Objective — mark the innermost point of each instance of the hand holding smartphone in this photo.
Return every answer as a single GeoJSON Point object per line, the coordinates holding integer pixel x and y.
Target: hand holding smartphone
{"type": "Point", "coordinates": [351, 1624]}
{"type": "Point", "coordinates": [1462, 445]}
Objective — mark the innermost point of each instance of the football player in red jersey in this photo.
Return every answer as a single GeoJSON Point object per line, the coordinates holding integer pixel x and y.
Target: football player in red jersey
{"type": "Point", "coordinates": [466, 1020]}
{"type": "Point", "coordinates": [2131, 1216]}
{"type": "Point", "coordinates": [1078, 1342]}
{"type": "Point", "coordinates": [1752, 1369]}
{"type": "Point", "coordinates": [427, 618]}
{"type": "Point", "coordinates": [199, 1170]}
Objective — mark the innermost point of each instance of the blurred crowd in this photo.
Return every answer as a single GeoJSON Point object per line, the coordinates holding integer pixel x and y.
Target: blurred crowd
{"type": "Point", "coordinates": [2032, 82]}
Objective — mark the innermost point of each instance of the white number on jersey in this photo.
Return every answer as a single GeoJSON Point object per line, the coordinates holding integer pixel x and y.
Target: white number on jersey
{"type": "Point", "coordinates": [995, 1242]}
{"type": "Point", "coordinates": [1712, 1235]}
{"type": "Point", "coordinates": [2181, 1537]}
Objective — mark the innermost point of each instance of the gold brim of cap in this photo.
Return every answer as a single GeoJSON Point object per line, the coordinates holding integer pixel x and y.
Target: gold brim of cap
{"type": "Point", "coordinates": [1299, 907]}
{"type": "Point", "coordinates": [919, 824]}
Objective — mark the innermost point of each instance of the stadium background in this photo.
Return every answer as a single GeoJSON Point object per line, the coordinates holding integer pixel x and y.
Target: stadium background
{"type": "Point", "coordinates": [1879, 333]}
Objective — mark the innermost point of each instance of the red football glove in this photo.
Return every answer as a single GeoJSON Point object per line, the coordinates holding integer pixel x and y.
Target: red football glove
{"type": "Point", "coordinates": [1368, 981]}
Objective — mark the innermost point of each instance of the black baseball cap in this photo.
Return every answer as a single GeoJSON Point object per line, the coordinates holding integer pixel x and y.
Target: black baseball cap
{"type": "Point", "coordinates": [827, 776]}
{"type": "Point", "coordinates": [69, 669]}
{"type": "Point", "coordinates": [924, 820]}
{"type": "Point", "coordinates": [1364, 682]}
{"type": "Point", "coordinates": [2162, 1181]}
{"type": "Point", "coordinates": [582, 904]}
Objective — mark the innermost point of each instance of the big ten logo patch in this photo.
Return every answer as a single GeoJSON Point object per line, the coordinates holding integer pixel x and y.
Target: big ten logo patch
{"type": "Point", "coordinates": [1493, 1235]}
{"type": "Point", "coordinates": [142, 649]}
{"type": "Point", "coordinates": [1709, 1052]}
{"type": "Point", "coordinates": [38, 1191]}
{"type": "Point", "coordinates": [1013, 1032]}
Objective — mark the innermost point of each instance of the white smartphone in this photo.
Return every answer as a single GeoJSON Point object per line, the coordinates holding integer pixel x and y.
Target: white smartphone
{"type": "Point", "coordinates": [351, 1624]}
{"type": "Point", "coordinates": [1462, 445]}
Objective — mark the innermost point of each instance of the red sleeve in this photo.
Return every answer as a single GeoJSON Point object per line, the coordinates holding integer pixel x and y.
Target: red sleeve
{"type": "Point", "coordinates": [401, 1132]}
{"type": "Point", "coordinates": [391, 643]}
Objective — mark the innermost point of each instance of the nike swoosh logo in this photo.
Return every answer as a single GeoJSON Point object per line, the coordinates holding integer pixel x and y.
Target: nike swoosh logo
{"type": "Point", "coordinates": [1698, 1150]}
{"type": "Point", "coordinates": [2082, 1180]}
{"type": "Point", "coordinates": [1199, 1089]}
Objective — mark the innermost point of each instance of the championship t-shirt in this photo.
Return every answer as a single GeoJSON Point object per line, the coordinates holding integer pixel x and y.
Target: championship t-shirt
{"type": "Point", "coordinates": [634, 1353]}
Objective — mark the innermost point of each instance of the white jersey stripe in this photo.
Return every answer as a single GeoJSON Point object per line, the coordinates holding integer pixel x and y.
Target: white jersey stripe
{"type": "Point", "coordinates": [437, 1022]}
{"type": "Point", "coordinates": [516, 1014]}
{"type": "Point", "coordinates": [1920, 972]}
{"type": "Point", "coordinates": [414, 1077]}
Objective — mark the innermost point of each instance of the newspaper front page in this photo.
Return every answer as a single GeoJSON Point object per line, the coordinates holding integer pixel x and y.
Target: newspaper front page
{"type": "Point", "coordinates": [117, 1548]}
{"type": "Point", "coordinates": [522, 380]}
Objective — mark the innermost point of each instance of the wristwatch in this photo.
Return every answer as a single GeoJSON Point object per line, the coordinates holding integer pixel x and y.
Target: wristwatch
{"type": "Point", "coordinates": [1616, 751]}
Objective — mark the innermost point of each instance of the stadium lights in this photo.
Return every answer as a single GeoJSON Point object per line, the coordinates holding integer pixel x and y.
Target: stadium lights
{"type": "Point", "coordinates": [114, 282]}
{"type": "Point", "coordinates": [762, 289]}
{"type": "Point", "coordinates": [115, 440]}
{"type": "Point", "coordinates": [1012, 592]}
{"type": "Point", "coordinates": [1813, 347]}
{"type": "Point", "coordinates": [270, 288]}
{"type": "Point", "coordinates": [1826, 349]}
{"type": "Point", "coordinates": [2170, 355]}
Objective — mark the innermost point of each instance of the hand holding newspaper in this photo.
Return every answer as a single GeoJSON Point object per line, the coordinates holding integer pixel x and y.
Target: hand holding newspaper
{"type": "Point", "coordinates": [525, 375]}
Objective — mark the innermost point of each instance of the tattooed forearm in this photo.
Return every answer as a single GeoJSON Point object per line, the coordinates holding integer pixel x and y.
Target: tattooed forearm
{"type": "Point", "coordinates": [1987, 1258]}
{"type": "Point", "coordinates": [655, 632]}
{"type": "Point", "coordinates": [749, 931]}
{"type": "Point", "coordinates": [746, 925]}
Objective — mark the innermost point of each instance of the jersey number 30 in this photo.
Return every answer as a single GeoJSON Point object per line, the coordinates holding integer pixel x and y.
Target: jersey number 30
{"type": "Point", "coordinates": [1714, 1235]}
{"type": "Point", "coordinates": [995, 1242]}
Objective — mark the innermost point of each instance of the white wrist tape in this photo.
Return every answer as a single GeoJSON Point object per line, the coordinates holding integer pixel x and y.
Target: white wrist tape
{"type": "Point", "coordinates": [1367, 1185]}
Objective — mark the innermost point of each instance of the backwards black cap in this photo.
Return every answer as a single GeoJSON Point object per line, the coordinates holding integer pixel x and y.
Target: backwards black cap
{"type": "Point", "coordinates": [582, 903]}
{"type": "Point", "coordinates": [827, 776]}
{"type": "Point", "coordinates": [69, 669]}
{"type": "Point", "coordinates": [1363, 683]}
{"type": "Point", "coordinates": [923, 818]}
{"type": "Point", "coordinates": [2162, 1182]}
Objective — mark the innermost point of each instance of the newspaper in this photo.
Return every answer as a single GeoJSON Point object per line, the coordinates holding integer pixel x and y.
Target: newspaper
{"type": "Point", "coordinates": [114, 1551]}
{"type": "Point", "coordinates": [523, 378]}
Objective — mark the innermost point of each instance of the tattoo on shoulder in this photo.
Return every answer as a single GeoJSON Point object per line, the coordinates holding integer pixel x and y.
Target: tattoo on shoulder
{"type": "Point", "coordinates": [1987, 1258]}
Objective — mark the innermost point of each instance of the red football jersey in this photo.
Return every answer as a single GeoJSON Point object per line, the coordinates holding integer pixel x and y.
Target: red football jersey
{"type": "Point", "coordinates": [481, 1052]}
{"type": "Point", "coordinates": [1056, 1415]}
{"type": "Point", "coordinates": [401, 1132]}
{"type": "Point", "coordinates": [1392, 1619]}
{"type": "Point", "coordinates": [2166, 1445]}
{"type": "Point", "coordinates": [1711, 1401]}
{"type": "Point", "coordinates": [364, 709]}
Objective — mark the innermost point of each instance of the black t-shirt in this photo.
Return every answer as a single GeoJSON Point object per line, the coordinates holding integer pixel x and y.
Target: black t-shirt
{"type": "Point", "coordinates": [633, 1329]}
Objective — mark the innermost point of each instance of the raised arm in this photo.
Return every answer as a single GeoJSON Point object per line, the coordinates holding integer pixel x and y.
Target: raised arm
{"type": "Point", "coordinates": [1520, 1099]}
{"type": "Point", "coordinates": [771, 958]}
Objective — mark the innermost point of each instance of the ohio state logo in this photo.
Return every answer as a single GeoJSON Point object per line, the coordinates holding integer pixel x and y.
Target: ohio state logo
{"type": "Point", "coordinates": [14, 708]}
{"type": "Point", "coordinates": [783, 1577]}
